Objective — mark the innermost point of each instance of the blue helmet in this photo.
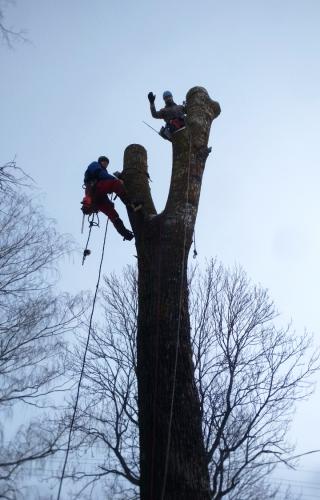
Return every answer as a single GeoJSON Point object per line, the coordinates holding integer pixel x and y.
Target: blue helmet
{"type": "Point", "coordinates": [166, 93]}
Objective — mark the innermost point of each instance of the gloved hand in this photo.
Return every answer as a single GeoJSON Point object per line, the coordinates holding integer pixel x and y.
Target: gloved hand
{"type": "Point", "coordinates": [118, 175]}
{"type": "Point", "coordinates": [151, 97]}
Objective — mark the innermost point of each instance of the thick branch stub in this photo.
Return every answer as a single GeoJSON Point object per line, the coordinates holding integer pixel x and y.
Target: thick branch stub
{"type": "Point", "coordinates": [190, 151]}
{"type": "Point", "coordinates": [136, 178]}
{"type": "Point", "coordinates": [201, 111]}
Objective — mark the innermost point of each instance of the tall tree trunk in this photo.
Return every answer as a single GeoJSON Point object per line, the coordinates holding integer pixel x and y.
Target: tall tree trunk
{"type": "Point", "coordinates": [173, 464]}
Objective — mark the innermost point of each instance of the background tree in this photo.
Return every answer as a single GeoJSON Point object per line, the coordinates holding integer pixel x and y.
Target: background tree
{"type": "Point", "coordinates": [106, 427]}
{"type": "Point", "coordinates": [33, 324]}
{"type": "Point", "coordinates": [249, 374]}
{"type": "Point", "coordinates": [8, 34]}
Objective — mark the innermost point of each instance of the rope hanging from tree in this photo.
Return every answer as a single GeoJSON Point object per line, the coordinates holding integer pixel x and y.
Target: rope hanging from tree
{"type": "Point", "coordinates": [84, 356]}
{"type": "Point", "coordinates": [92, 223]}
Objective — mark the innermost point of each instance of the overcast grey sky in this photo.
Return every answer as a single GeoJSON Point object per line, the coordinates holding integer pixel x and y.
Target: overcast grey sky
{"type": "Point", "coordinates": [79, 90]}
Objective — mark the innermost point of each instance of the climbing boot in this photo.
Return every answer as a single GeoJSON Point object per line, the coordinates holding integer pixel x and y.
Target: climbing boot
{"type": "Point", "coordinates": [120, 227]}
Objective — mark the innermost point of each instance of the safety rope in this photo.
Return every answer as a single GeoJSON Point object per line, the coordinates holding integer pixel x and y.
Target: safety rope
{"type": "Point", "coordinates": [195, 253]}
{"type": "Point", "coordinates": [83, 360]}
{"type": "Point", "coordinates": [92, 223]}
{"type": "Point", "coordinates": [178, 333]}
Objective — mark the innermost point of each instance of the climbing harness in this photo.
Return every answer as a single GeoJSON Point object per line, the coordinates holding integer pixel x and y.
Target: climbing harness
{"type": "Point", "coordinates": [83, 363]}
{"type": "Point", "coordinates": [93, 219]}
{"type": "Point", "coordinates": [169, 129]}
{"type": "Point", "coordinates": [87, 205]}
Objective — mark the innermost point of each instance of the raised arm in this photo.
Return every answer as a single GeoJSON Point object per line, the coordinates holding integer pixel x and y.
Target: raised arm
{"type": "Point", "coordinates": [154, 112]}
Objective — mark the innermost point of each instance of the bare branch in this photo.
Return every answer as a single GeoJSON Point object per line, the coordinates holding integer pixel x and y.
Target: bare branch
{"type": "Point", "coordinates": [8, 34]}
{"type": "Point", "coordinates": [249, 374]}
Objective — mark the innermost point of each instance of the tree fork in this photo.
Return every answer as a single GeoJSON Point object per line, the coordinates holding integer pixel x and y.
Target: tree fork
{"type": "Point", "coordinates": [173, 464]}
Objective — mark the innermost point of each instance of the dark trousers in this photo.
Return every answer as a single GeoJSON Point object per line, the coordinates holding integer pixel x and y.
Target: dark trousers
{"type": "Point", "coordinates": [101, 200]}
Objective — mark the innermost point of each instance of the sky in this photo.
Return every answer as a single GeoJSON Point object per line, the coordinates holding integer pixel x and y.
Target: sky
{"type": "Point", "coordinates": [78, 89]}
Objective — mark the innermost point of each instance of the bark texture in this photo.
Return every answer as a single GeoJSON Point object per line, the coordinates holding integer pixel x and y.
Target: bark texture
{"type": "Point", "coordinates": [173, 464]}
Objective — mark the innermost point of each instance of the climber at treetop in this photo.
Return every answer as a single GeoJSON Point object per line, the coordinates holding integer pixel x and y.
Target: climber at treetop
{"type": "Point", "coordinates": [173, 114]}
{"type": "Point", "coordinates": [98, 184]}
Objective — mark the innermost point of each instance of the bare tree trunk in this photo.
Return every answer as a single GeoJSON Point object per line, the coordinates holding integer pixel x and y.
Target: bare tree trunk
{"type": "Point", "coordinates": [172, 456]}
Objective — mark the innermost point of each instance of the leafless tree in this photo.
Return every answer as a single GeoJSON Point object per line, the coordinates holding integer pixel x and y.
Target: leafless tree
{"type": "Point", "coordinates": [107, 414]}
{"type": "Point", "coordinates": [249, 372]}
{"type": "Point", "coordinates": [13, 177]}
{"type": "Point", "coordinates": [34, 324]}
